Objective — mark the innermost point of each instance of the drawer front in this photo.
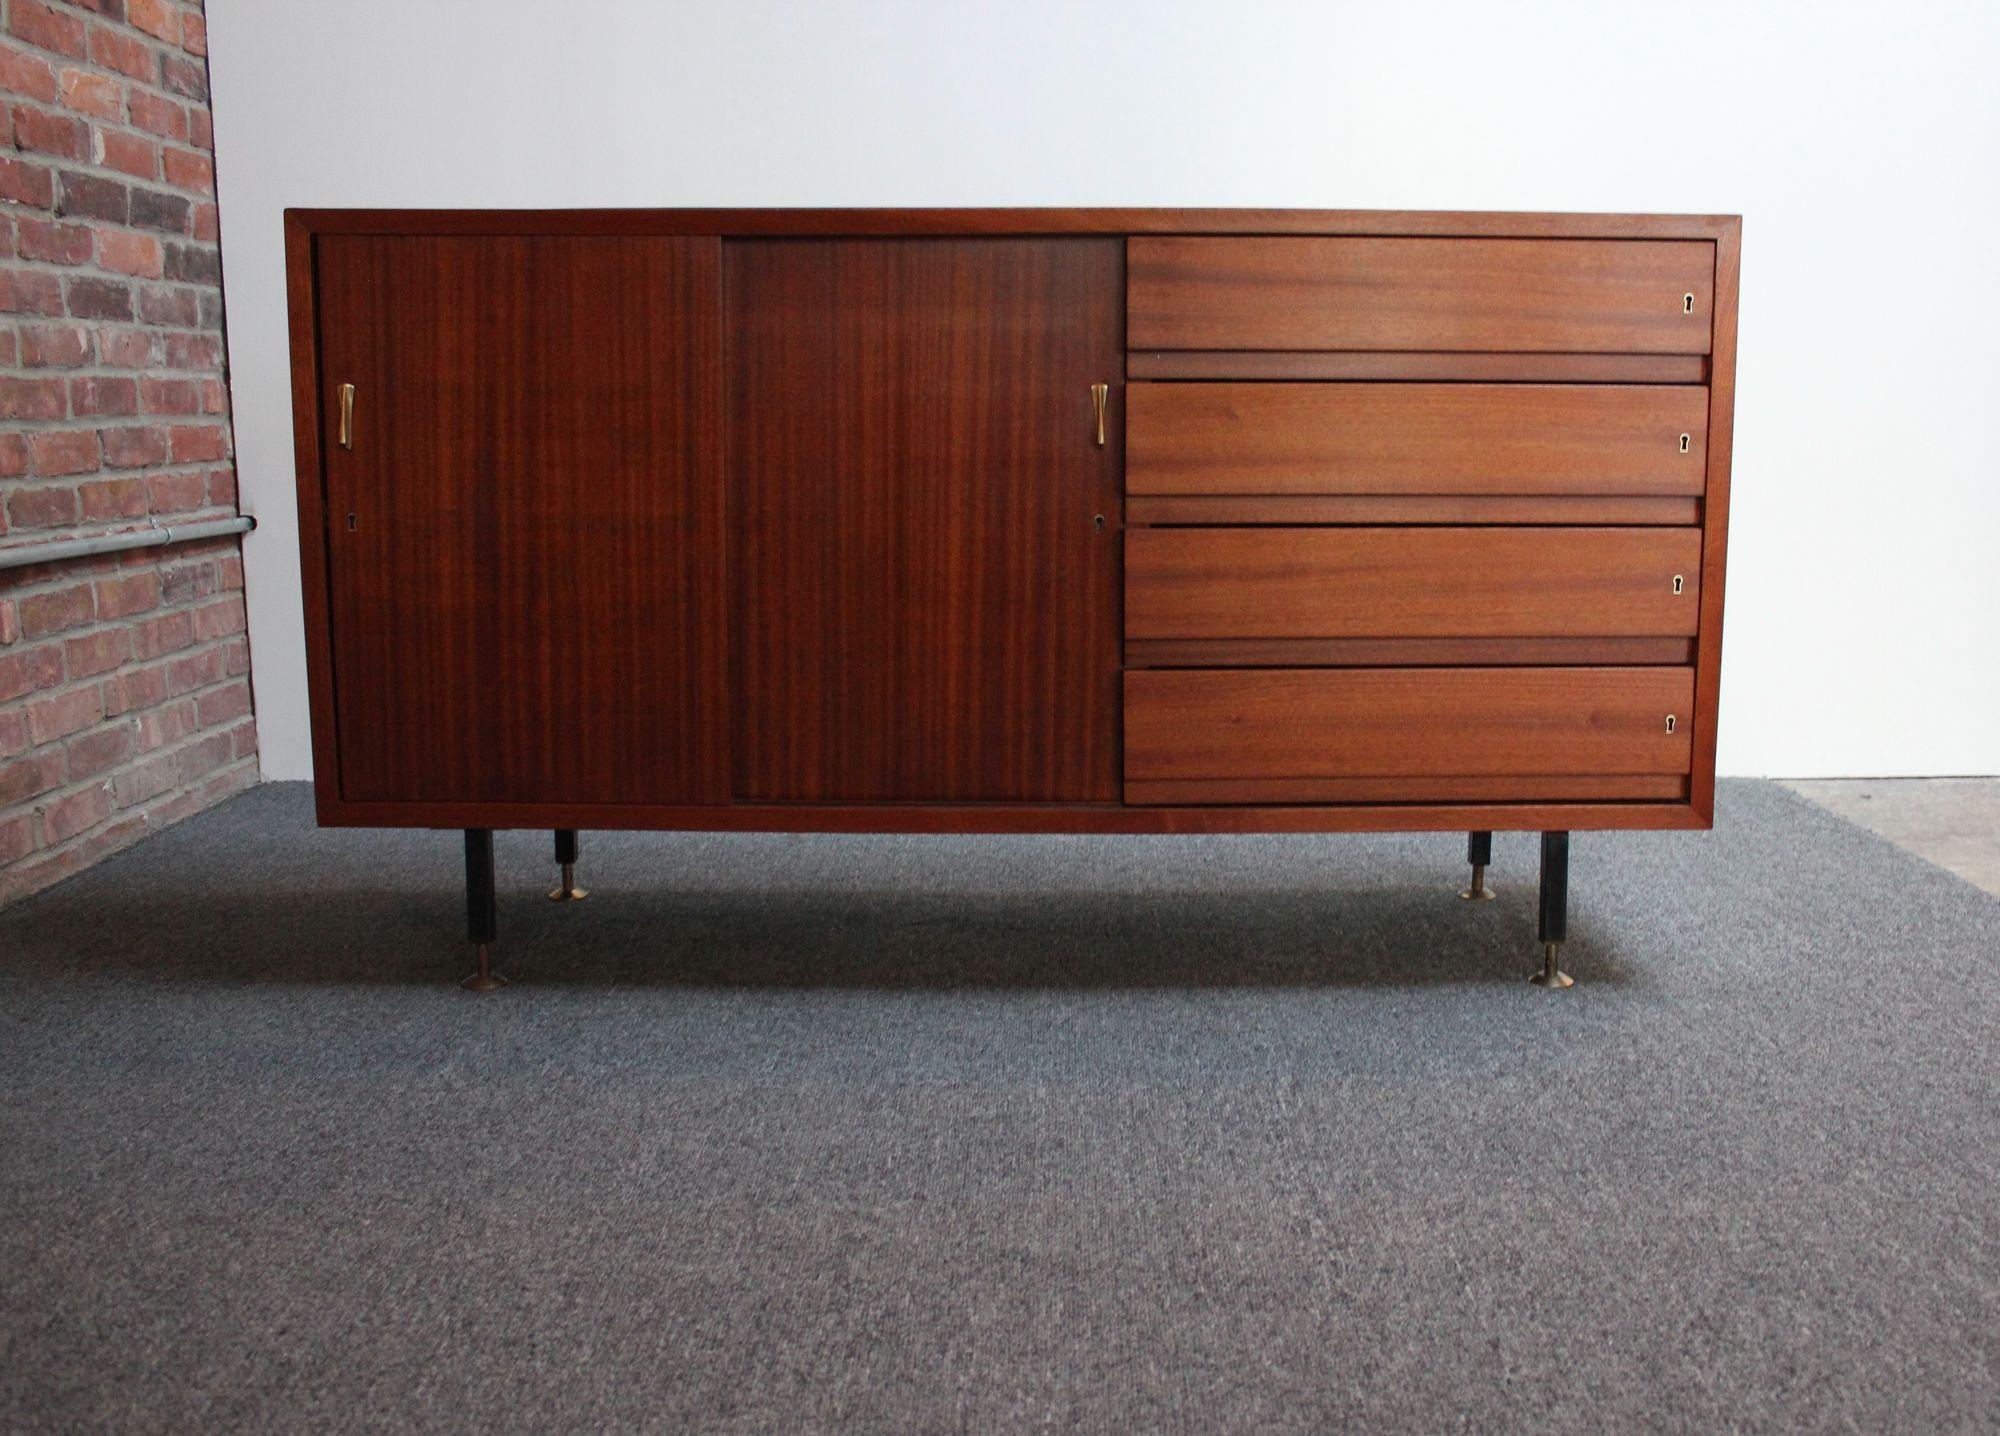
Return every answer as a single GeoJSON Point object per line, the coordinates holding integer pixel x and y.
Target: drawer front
{"type": "Point", "coordinates": [1415, 439]}
{"type": "Point", "coordinates": [1304, 723]}
{"type": "Point", "coordinates": [1411, 582]}
{"type": "Point", "coordinates": [1589, 296]}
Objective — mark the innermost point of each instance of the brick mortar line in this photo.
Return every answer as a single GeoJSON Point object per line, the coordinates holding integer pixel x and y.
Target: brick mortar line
{"type": "Point", "coordinates": [61, 636]}
{"type": "Point", "coordinates": [56, 163]}
{"type": "Point", "coordinates": [38, 807]}
{"type": "Point", "coordinates": [130, 719]}
{"type": "Point", "coordinates": [91, 266]}
{"type": "Point", "coordinates": [62, 62]}
{"type": "Point", "coordinates": [39, 856]}
{"type": "Point", "coordinates": [70, 787]}
{"type": "Point", "coordinates": [50, 160]}
{"type": "Point", "coordinates": [64, 635]}
{"type": "Point", "coordinates": [107, 371]}
{"type": "Point", "coordinates": [100, 371]}
{"type": "Point", "coordinates": [104, 371]}
{"type": "Point", "coordinates": [198, 419]}
{"type": "Point", "coordinates": [30, 316]}
{"type": "Point", "coordinates": [103, 475]}
{"type": "Point", "coordinates": [91, 221]}
{"type": "Point", "coordinates": [101, 625]}
{"type": "Point", "coordinates": [90, 269]}
{"type": "Point", "coordinates": [116, 421]}
{"type": "Point", "coordinates": [201, 647]}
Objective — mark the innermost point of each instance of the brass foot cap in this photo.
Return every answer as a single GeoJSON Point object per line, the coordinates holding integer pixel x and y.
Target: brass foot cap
{"type": "Point", "coordinates": [483, 982]}
{"type": "Point", "coordinates": [1482, 894]}
{"type": "Point", "coordinates": [569, 894]}
{"type": "Point", "coordinates": [1553, 979]}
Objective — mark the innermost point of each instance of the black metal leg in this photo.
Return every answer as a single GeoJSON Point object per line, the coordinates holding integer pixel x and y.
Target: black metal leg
{"type": "Point", "coordinates": [1553, 926]}
{"type": "Point", "coordinates": [566, 856]}
{"type": "Point", "coordinates": [482, 915]}
{"type": "Point", "coordinates": [1478, 852]}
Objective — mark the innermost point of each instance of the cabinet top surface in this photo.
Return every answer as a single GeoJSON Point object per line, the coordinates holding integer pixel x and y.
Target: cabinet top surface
{"type": "Point", "coordinates": [887, 222]}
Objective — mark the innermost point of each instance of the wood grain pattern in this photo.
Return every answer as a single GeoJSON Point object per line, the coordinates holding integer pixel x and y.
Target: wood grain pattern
{"type": "Point", "coordinates": [1419, 722]}
{"type": "Point", "coordinates": [1344, 804]}
{"type": "Point", "coordinates": [925, 607]}
{"type": "Point", "coordinates": [1400, 366]}
{"type": "Point", "coordinates": [1410, 583]}
{"type": "Point", "coordinates": [1411, 509]}
{"type": "Point", "coordinates": [1405, 652]}
{"type": "Point", "coordinates": [1025, 817]}
{"type": "Point", "coordinates": [1560, 296]}
{"type": "Point", "coordinates": [1594, 787]}
{"type": "Point", "coordinates": [1414, 439]}
{"type": "Point", "coordinates": [830, 222]}
{"type": "Point", "coordinates": [528, 605]}
{"type": "Point", "coordinates": [1715, 517]}
{"type": "Point", "coordinates": [302, 316]}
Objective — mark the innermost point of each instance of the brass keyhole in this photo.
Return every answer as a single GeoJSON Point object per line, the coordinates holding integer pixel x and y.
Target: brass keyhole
{"type": "Point", "coordinates": [1098, 523]}
{"type": "Point", "coordinates": [1687, 302]}
{"type": "Point", "coordinates": [350, 523]}
{"type": "Point", "coordinates": [1677, 583]}
{"type": "Point", "coordinates": [1686, 441]}
{"type": "Point", "coordinates": [1670, 722]}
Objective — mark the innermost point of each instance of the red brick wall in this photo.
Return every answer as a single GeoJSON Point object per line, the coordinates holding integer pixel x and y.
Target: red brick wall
{"type": "Point", "coordinates": [124, 680]}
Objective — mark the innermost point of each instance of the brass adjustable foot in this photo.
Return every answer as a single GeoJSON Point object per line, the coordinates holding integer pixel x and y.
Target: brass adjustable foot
{"type": "Point", "coordinates": [1552, 974]}
{"type": "Point", "coordinates": [1478, 852]}
{"type": "Point", "coordinates": [566, 851]}
{"type": "Point", "coordinates": [483, 978]}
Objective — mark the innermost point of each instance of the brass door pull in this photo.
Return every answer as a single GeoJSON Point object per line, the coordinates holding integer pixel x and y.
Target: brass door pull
{"type": "Point", "coordinates": [1098, 394]}
{"type": "Point", "coordinates": [346, 416]}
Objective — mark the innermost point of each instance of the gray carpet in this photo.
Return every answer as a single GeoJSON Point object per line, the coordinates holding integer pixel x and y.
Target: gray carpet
{"type": "Point", "coordinates": [788, 1134]}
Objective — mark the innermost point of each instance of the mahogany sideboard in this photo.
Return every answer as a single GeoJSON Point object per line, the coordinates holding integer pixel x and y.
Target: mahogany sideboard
{"type": "Point", "coordinates": [1027, 521]}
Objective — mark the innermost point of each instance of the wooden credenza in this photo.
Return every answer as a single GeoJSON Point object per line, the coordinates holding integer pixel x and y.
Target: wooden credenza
{"type": "Point", "coordinates": [1107, 521]}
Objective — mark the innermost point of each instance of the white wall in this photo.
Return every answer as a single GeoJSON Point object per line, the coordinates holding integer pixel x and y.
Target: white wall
{"type": "Point", "coordinates": [1860, 142]}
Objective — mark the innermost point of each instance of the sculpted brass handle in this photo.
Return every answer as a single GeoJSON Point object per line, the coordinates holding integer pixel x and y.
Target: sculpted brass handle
{"type": "Point", "coordinates": [346, 416]}
{"type": "Point", "coordinates": [1098, 394]}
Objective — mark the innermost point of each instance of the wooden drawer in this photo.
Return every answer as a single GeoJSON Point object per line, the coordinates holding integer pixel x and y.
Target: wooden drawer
{"type": "Point", "coordinates": [1415, 439]}
{"type": "Point", "coordinates": [1418, 723]}
{"type": "Point", "coordinates": [1479, 295]}
{"type": "Point", "coordinates": [1411, 582]}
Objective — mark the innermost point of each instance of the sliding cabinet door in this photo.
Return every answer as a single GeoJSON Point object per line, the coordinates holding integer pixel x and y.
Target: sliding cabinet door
{"type": "Point", "coordinates": [924, 519]}
{"type": "Point", "coordinates": [524, 522]}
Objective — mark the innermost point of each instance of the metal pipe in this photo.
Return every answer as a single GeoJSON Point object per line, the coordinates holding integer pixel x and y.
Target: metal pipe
{"type": "Point", "coordinates": [22, 554]}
